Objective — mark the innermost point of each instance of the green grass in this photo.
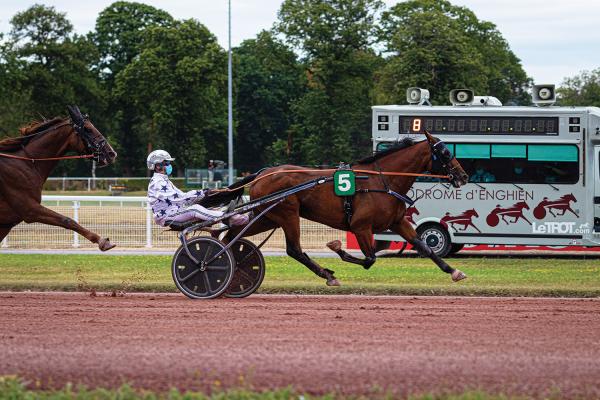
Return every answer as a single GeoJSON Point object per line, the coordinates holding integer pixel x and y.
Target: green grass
{"type": "Point", "coordinates": [15, 389]}
{"type": "Point", "coordinates": [408, 276]}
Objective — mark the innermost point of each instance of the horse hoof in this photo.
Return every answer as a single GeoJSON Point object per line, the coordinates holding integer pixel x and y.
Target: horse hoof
{"type": "Point", "coordinates": [335, 245]}
{"type": "Point", "coordinates": [105, 244]}
{"type": "Point", "coordinates": [458, 275]}
{"type": "Point", "coordinates": [333, 282]}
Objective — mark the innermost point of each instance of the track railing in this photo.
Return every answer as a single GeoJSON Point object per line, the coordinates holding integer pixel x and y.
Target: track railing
{"type": "Point", "coordinates": [128, 222]}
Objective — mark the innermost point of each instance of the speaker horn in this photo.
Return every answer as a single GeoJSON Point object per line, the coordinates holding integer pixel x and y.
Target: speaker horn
{"type": "Point", "coordinates": [461, 97]}
{"type": "Point", "coordinates": [543, 95]}
{"type": "Point", "coordinates": [415, 95]}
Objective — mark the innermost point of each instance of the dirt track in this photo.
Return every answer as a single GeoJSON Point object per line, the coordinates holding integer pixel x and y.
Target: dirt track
{"type": "Point", "coordinates": [349, 344]}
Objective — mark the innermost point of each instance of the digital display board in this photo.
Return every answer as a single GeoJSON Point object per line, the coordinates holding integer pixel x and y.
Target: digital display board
{"type": "Point", "coordinates": [480, 125]}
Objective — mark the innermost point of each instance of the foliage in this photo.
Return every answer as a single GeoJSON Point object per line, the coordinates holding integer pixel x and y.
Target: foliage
{"type": "Point", "coordinates": [46, 66]}
{"type": "Point", "coordinates": [269, 79]}
{"type": "Point", "coordinates": [118, 35]}
{"type": "Point", "coordinates": [581, 90]}
{"type": "Point", "coordinates": [174, 89]}
{"type": "Point", "coordinates": [11, 387]}
{"type": "Point", "coordinates": [303, 91]}
{"type": "Point", "coordinates": [436, 45]}
{"type": "Point", "coordinates": [119, 30]}
{"type": "Point", "coordinates": [332, 119]}
{"type": "Point", "coordinates": [56, 64]}
{"type": "Point", "coordinates": [15, 107]}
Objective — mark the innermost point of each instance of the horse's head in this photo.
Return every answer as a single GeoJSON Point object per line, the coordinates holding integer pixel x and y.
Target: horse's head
{"type": "Point", "coordinates": [473, 213]}
{"type": "Point", "coordinates": [522, 205]}
{"type": "Point", "coordinates": [443, 161]}
{"type": "Point", "coordinates": [89, 139]}
{"type": "Point", "coordinates": [569, 197]}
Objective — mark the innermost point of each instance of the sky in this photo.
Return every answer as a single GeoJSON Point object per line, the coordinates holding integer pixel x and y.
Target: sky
{"type": "Point", "coordinates": [553, 38]}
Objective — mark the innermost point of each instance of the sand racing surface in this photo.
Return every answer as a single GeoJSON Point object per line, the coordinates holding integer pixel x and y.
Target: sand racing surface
{"type": "Point", "coordinates": [318, 344]}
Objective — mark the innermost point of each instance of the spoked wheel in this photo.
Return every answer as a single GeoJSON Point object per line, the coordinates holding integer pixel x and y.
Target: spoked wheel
{"type": "Point", "coordinates": [208, 279]}
{"type": "Point", "coordinates": [249, 270]}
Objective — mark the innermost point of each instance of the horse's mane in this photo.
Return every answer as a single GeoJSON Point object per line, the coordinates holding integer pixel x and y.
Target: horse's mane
{"type": "Point", "coordinates": [400, 145]}
{"type": "Point", "coordinates": [14, 143]}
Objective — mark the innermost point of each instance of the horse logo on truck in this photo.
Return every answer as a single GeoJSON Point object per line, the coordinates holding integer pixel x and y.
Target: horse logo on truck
{"type": "Point", "coordinates": [555, 207]}
{"type": "Point", "coordinates": [509, 215]}
{"type": "Point", "coordinates": [462, 221]}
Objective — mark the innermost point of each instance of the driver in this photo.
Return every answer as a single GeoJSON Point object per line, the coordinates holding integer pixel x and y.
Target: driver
{"type": "Point", "coordinates": [169, 204]}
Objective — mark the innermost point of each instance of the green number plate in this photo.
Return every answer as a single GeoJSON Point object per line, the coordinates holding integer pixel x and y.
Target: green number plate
{"type": "Point", "coordinates": [344, 183]}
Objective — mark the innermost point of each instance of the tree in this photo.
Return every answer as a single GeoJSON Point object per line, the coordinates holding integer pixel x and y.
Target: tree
{"type": "Point", "coordinates": [174, 90]}
{"type": "Point", "coordinates": [55, 63]}
{"type": "Point", "coordinates": [268, 80]}
{"type": "Point", "coordinates": [119, 31]}
{"type": "Point", "coordinates": [52, 67]}
{"type": "Point", "coordinates": [332, 119]}
{"type": "Point", "coordinates": [439, 46]}
{"type": "Point", "coordinates": [15, 99]}
{"type": "Point", "coordinates": [581, 90]}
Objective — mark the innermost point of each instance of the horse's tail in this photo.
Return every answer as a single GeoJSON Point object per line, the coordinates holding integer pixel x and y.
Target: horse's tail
{"type": "Point", "coordinates": [234, 192]}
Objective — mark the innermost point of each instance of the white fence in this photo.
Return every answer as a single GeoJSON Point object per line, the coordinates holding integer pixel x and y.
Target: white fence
{"type": "Point", "coordinates": [128, 222]}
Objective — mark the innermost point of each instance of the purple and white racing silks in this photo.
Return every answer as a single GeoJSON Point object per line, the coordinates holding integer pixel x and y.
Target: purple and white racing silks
{"type": "Point", "coordinates": [171, 204]}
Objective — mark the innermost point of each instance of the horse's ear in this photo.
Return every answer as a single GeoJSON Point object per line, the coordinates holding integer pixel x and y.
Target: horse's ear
{"type": "Point", "coordinates": [430, 138]}
{"type": "Point", "coordinates": [75, 114]}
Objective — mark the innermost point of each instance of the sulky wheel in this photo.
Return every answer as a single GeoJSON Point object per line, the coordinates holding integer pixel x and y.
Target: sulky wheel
{"type": "Point", "coordinates": [249, 271]}
{"type": "Point", "coordinates": [208, 279]}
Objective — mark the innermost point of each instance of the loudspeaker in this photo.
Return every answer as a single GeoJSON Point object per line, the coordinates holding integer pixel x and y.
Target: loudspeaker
{"type": "Point", "coordinates": [461, 97]}
{"type": "Point", "coordinates": [415, 95]}
{"type": "Point", "coordinates": [543, 95]}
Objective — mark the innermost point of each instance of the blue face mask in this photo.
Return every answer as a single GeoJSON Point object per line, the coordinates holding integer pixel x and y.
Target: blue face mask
{"type": "Point", "coordinates": [169, 169]}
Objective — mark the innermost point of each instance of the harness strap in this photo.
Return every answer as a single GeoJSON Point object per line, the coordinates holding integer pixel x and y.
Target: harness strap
{"type": "Point", "coordinates": [348, 209]}
{"type": "Point", "coordinates": [399, 196]}
{"type": "Point", "coordinates": [385, 185]}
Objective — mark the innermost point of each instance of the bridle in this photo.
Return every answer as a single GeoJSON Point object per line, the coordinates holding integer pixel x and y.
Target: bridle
{"type": "Point", "coordinates": [441, 159]}
{"type": "Point", "coordinates": [91, 143]}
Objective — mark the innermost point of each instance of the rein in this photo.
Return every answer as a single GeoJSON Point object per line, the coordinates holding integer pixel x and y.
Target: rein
{"type": "Point", "coordinates": [362, 171]}
{"type": "Point", "coordinates": [46, 159]}
{"type": "Point", "coordinates": [33, 136]}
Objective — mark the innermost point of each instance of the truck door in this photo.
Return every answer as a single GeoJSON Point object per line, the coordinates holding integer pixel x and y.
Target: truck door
{"type": "Point", "coordinates": [596, 189]}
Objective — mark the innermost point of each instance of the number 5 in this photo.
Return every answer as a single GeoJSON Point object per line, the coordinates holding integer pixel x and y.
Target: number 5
{"type": "Point", "coordinates": [344, 182]}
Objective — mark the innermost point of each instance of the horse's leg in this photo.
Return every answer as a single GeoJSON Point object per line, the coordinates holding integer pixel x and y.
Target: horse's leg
{"type": "Point", "coordinates": [405, 230]}
{"type": "Point", "coordinates": [4, 232]}
{"type": "Point", "coordinates": [287, 217]}
{"type": "Point", "coordinates": [365, 242]}
{"type": "Point", "coordinates": [522, 216]}
{"type": "Point", "coordinates": [44, 215]}
{"type": "Point", "coordinates": [476, 228]}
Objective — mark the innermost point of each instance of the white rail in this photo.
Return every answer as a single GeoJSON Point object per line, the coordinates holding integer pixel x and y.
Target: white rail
{"type": "Point", "coordinates": [128, 221]}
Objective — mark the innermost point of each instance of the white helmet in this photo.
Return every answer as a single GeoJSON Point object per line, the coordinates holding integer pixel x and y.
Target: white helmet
{"type": "Point", "coordinates": [157, 156]}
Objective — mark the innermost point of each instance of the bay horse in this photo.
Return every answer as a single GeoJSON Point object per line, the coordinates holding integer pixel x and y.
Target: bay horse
{"type": "Point", "coordinates": [374, 211]}
{"type": "Point", "coordinates": [27, 161]}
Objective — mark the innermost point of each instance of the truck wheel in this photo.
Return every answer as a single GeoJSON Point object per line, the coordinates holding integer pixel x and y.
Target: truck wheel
{"type": "Point", "coordinates": [456, 247]}
{"type": "Point", "coordinates": [436, 237]}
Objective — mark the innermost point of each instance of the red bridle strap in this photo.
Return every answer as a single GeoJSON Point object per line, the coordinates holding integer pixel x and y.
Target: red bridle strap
{"type": "Point", "coordinates": [45, 159]}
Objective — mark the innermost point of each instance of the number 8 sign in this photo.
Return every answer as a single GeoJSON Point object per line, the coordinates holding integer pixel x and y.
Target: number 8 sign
{"type": "Point", "coordinates": [344, 183]}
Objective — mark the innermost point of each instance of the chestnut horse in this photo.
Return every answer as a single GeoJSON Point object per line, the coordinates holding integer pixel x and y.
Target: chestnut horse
{"type": "Point", "coordinates": [27, 161]}
{"type": "Point", "coordinates": [374, 212]}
